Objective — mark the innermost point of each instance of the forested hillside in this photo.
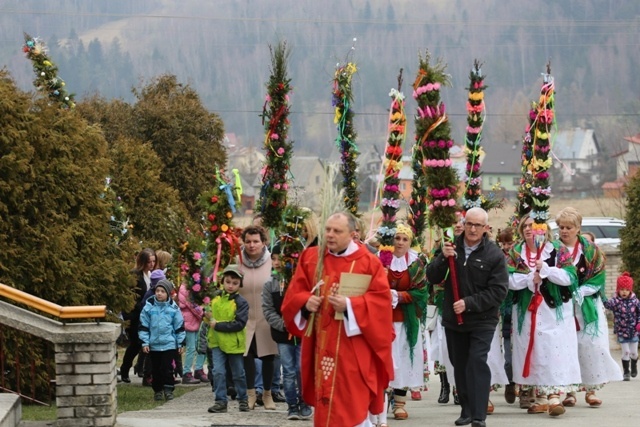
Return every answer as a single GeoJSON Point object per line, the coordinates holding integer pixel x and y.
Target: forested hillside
{"type": "Point", "coordinates": [221, 49]}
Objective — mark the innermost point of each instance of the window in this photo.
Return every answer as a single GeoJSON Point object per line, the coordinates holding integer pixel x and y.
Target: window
{"type": "Point", "coordinates": [516, 181]}
{"type": "Point", "coordinates": [594, 229]}
{"type": "Point", "coordinates": [317, 179]}
{"type": "Point", "coordinates": [611, 231]}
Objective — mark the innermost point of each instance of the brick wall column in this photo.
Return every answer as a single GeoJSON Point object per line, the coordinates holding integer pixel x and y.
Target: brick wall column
{"type": "Point", "coordinates": [86, 382]}
{"type": "Point", "coordinates": [85, 365]}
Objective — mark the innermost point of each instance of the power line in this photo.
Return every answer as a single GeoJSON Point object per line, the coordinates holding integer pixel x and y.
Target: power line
{"type": "Point", "coordinates": [467, 23]}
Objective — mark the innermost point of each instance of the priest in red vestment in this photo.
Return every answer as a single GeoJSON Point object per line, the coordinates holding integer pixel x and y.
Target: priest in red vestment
{"type": "Point", "coordinates": [346, 363]}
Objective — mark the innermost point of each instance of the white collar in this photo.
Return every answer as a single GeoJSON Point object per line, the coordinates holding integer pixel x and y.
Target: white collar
{"type": "Point", "coordinates": [352, 248]}
{"type": "Point", "coordinates": [402, 263]}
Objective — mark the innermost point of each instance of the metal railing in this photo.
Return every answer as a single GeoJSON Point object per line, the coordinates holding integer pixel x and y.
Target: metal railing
{"type": "Point", "coordinates": [12, 368]}
{"type": "Point", "coordinates": [64, 313]}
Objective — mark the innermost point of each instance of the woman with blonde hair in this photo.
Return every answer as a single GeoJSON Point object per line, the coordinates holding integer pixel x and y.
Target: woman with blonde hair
{"type": "Point", "coordinates": [310, 229]}
{"type": "Point", "coordinates": [545, 345]}
{"type": "Point", "coordinates": [408, 284]}
{"type": "Point", "coordinates": [597, 367]}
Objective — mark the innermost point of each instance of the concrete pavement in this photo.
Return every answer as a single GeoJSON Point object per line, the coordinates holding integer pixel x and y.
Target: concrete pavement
{"type": "Point", "coordinates": [621, 407]}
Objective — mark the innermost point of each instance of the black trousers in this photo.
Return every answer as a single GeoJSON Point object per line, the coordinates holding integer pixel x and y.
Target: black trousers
{"type": "Point", "coordinates": [135, 345]}
{"type": "Point", "coordinates": [468, 353]}
{"type": "Point", "coordinates": [162, 369]}
{"type": "Point", "coordinates": [250, 367]}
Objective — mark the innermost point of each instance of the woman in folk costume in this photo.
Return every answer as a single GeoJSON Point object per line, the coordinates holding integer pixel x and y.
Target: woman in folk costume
{"type": "Point", "coordinates": [409, 294]}
{"type": "Point", "coordinates": [597, 367]}
{"type": "Point", "coordinates": [545, 344]}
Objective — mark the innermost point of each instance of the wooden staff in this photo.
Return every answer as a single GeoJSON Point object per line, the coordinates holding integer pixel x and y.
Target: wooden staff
{"type": "Point", "coordinates": [454, 285]}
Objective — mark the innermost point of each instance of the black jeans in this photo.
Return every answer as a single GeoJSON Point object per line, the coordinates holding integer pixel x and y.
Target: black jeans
{"type": "Point", "coordinates": [162, 369]}
{"type": "Point", "coordinates": [135, 345]}
{"type": "Point", "coordinates": [468, 353]}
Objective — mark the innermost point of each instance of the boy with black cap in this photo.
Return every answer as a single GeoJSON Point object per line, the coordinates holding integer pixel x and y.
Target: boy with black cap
{"type": "Point", "coordinates": [227, 339]}
{"type": "Point", "coordinates": [162, 333]}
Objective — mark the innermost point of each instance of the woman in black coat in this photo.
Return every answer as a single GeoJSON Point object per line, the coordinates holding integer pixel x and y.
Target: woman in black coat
{"type": "Point", "coordinates": [145, 261]}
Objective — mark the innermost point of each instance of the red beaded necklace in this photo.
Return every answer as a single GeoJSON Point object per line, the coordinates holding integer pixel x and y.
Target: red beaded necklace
{"type": "Point", "coordinates": [575, 249]}
{"type": "Point", "coordinates": [531, 260]}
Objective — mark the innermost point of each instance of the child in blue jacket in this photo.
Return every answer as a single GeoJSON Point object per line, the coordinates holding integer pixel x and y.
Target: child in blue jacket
{"type": "Point", "coordinates": [162, 334]}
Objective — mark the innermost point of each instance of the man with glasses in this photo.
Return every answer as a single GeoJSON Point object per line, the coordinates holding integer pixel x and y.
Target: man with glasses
{"type": "Point", "coordinates": [482, 283]}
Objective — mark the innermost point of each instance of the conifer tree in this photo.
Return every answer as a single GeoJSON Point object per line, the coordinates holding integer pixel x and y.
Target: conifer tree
{"type": "Point", "coordinates": [186, 137]}
{"type": "Point", "coordinates": [158, 216]}
{"type": "Point", "coordinates": [53, 213]}
{"type": "Point", "coordinates": [630, 235]}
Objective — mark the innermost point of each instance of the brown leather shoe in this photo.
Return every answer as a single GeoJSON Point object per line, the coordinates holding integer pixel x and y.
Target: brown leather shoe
{"type": "Point", "coordinates": [592, 400]}
{"type": "Point", "coordinates": [555, 406]}
{"type": "Point", "coordinates": [510, 393]}
{"type": "Point", "coordinates": [570, 401]}
{"type": "Point", "coordinates": [525, 400]}
{"type": "Point", "coordinates": [538, 408]}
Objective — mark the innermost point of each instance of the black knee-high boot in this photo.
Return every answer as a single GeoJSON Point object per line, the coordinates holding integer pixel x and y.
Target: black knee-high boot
{"type": "Point", "coordinates": [444, 388]}
{"type": "Point", "coordinates": [625, 366]}
{"type": "Point", "coordinates": [634, 368]}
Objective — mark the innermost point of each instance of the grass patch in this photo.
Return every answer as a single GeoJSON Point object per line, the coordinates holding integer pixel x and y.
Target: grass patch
{"type": "Point", "coordinates": [130, 398]}
{"type": "Point", "coordinates": [38, 412]}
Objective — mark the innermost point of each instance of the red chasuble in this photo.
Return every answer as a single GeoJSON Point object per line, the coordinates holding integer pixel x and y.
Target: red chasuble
{"type": "Point", "coordinates": [343, 377]}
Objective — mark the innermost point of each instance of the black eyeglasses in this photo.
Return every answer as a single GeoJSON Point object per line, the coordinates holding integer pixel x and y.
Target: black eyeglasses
{"type": "Point", "coordinates": [471, 225]}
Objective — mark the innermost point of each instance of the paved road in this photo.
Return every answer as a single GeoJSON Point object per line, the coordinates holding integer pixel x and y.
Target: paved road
{"type": "Point", "coordinates": [621, 408]}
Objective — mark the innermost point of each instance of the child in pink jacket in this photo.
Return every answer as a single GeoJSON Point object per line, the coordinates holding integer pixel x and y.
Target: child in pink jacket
{"type": "Point", "coordinates": [192, 314]}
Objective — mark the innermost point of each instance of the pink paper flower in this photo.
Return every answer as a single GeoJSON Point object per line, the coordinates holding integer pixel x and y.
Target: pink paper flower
{"type": "Point", "coordinates": [196, 277]}
{"type": "Point", "coordinates": [196, 288]}
{"type": "Point", "coordinates": [206, 300]}
{"type": "Point", "coordinates": [275, 136]}
{"type": "Point", "coordinates": [280, 151]}
{"type": "Point", "coordinates": [197, 255]}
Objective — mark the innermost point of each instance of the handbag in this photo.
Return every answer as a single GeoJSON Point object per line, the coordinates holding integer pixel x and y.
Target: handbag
{"type": "Point", "coordinates": [123, 338]}
{"type": "Point", "coordinates": [432, 315]}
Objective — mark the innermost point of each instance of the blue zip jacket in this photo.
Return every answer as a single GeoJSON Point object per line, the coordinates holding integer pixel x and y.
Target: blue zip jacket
{"type": "Point", "coordinates": [161, 325]}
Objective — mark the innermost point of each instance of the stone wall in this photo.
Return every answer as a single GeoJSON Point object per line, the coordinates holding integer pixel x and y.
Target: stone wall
{"type": "Point", "coordinates": [614, 262]}
{"type": "Point", "coordinates": [85, 365]}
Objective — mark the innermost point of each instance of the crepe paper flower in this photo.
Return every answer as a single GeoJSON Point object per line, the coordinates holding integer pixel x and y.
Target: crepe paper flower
{"type": "Point", "coordinates": [196, 288]}
{"type": "Point", "coordinates": [538, 188]}
{"type": "Point", "coordinates": [432, 126]}
{"type": "Point", "coordinates": [278, 148]}
{"type": "Point", "coordinates": [386, 257]}
{"type": "Point", "coordinates": [342, 98]}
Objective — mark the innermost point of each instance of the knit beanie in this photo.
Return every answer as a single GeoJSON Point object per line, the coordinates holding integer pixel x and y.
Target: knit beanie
{"type": "Point", "coordinates": [167, 285]}
{"type": "Point", "coordinates": [156, 276]}
{"type": "Point", "coordinates": [625, 281]}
